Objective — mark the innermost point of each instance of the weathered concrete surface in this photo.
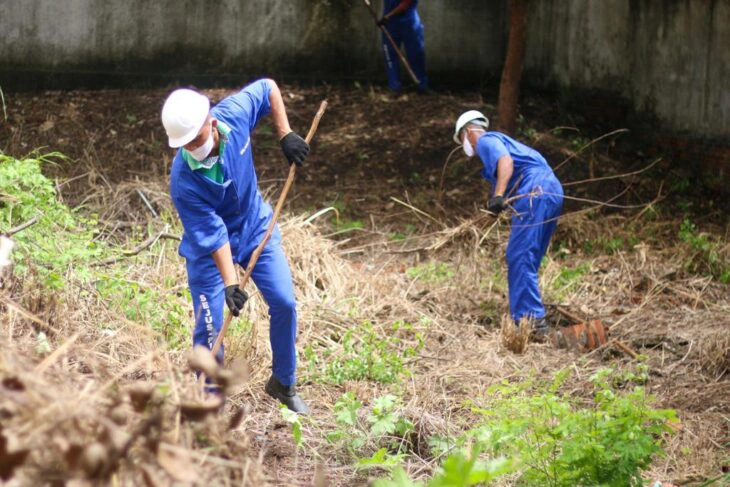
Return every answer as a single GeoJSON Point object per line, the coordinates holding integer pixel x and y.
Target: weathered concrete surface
{"type": "Point", "coordinates": [293, 37]}
{"type": "Point", "coordinates": [667, 57]}
{"type": "Point", "coordinates": [670, 57]}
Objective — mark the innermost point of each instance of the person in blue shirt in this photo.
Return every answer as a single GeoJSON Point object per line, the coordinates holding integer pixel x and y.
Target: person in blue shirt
{"type": "Point", "coordinates": [516, 170]}
{"type": "Point", "coordinates": [214, 188]}
{"type": "Point", "coordinates": [401, 19]}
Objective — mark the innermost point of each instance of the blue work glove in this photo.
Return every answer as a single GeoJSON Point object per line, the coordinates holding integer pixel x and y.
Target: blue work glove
{"type": "Point", "coordinates": [496, 205]}
{"type": "Point", "coordinates": [235, 299]}
{"type": "Point", "coordinates": [295, 148]}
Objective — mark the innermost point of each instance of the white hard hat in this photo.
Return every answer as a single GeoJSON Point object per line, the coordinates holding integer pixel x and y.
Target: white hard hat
{"type": "Point", "coordinates": [472, 116]}
{"type": "Point", "coordinates": [183, 115]}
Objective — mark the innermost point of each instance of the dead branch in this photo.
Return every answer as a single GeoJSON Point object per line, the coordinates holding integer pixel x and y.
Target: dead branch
{"type": "Point", "coordinates": [138, 249]}
{"type": "Point", "coordinates": [21, 227]}
{"type": "Point", "coordinates": [597, 139]}
{"type": "Point", "coordinates": [618, 176]}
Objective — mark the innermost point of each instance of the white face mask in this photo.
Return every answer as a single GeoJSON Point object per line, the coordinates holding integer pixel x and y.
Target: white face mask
{"type": "Point", "coordinates": [468, 149]}
{"type": "Point", "coordinates": [200, 153]}
{"type": "Point", "coordinates": [209, 162]}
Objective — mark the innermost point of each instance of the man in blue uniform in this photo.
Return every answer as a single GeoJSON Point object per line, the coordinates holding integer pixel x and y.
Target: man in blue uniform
{"type": "Point", "coordinates": [401, 19]}
{"type": "Point", "coordinates": [513, 169]}
{"type": "Point", "coordinates": [214, 188]}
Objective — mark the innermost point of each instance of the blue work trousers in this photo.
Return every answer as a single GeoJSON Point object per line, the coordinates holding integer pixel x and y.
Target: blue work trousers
{"type": "Point", "coordinates": [529, 238]}
{"type": "Point", "coordinates": [272, 277]}
{"type": "Point", "coordinates": [406, 32]}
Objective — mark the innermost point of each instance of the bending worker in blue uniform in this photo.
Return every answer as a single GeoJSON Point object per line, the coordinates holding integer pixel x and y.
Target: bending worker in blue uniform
{"type": "Point", "coordinates": [402, 21]}
{"type": "Point", "coordinates": [214, 188]}
{"type": "Point", "coordinates": [513, 169]}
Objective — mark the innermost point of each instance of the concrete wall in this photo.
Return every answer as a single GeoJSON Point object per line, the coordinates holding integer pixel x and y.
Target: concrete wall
{"type": "Point", "coordinates": [294, 37]}
{"type": "Point", "coordinates": [669, 57]}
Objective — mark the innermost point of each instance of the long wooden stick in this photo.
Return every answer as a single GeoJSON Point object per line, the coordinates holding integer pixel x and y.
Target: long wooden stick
{"type": "Point", "coordinates": [392, 43]}
{"type": "Point", "coordinates": [272, 224]}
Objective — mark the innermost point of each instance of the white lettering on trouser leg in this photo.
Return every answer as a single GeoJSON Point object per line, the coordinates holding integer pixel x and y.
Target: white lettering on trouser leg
{"type": "Point", "coordinates": [208, 318]}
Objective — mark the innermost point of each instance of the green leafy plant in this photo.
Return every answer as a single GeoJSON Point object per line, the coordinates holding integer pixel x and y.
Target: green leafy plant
{"type": "Point", "coordinates": [609, 246]}
{"type": "Point", "coordinates": [296, 425]}
{"type": "Point", "coordinates": [25, 193]}
{"type": "Point", "coordinates": [545, 437]}
{"type": "Point", "coordinates": [560, 441]}
{"type": "Point", "coordinates": [378, 438]}
{"type": "Point", "coordinates": [706, 254]}
{"type": "Point", "coordinates": [431, 272]}
{"type": "Point", "coordinates": [69, 257]}
{"type": "Point", "coordinates": [460, 469]}
{"type": "Point", "coordinates": [365, 353]}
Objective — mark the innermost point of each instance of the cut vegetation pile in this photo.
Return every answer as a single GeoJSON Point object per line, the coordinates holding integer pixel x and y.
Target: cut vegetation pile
{"type": "Point", "coordinates": [401, 352]}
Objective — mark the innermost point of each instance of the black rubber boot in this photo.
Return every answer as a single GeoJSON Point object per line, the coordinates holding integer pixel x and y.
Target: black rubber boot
{"type": "Point", "coordinates": [287, 395]}
{"type": "Point", "coordinates": [540, 330]}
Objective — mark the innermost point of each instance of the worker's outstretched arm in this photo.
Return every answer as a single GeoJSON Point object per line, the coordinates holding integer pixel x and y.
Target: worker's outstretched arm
{"type": "Point", "coordinates": [399, 9]}
{"type": "Point", "coordinates": [224, 262]}
{"type": "Point", "coordinates": [278, 111]}
{"type": "Point", "coordinates": [505, 168]}
{"type": "Point", "coordinates": [294, 147]}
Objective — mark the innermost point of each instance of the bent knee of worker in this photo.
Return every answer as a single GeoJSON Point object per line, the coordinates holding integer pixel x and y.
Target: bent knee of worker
{"type": "Point", "coordinates": [280, 303]}
{"type": "Point", "coordinates": [520, 251]}
{"type": "Point", "coordinates": [521, 263]}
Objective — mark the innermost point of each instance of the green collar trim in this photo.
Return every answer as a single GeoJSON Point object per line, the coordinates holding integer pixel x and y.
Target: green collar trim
{"type": "Point", "coordinates": [223, 131]}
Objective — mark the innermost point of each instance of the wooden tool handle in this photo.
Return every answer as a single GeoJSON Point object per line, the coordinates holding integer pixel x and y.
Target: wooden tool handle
{"type": "Point", "coordinates": [392, 43]}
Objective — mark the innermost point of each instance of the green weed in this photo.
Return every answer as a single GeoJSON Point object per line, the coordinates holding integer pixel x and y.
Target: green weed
{"type": "Point", "coordinates": [378, 438]}
{"type": "Point", "coordinates": [706, 253]}
{"type": "Point", "coordinates": [69, 257]}
{"type": "Point", "coordinates": [365, 354]}
{"type": "Point", "coordinates": [546, 437]}
{"type": "Point", "coordinates": [431, 272]}
{"type": "Point", "coordinates": [26, 193]}
{"type": "Point", "coordinates": [609, 246]}
{"type": "Point", "coordinates": [569, 278]}
{"type": "Point", "coordinates": [293, 420]}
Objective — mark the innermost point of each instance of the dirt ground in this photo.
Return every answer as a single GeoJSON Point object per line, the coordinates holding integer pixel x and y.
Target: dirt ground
{"type": "Point", "coordinates": [379, 162]}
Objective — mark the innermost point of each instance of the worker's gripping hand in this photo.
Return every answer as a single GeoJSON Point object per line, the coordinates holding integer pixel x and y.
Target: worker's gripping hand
{"type": "Point", "coordinates": [295, 148]}
{"type": "Point", "coordinates": [381, 21]}
{"type": "Point", "coordinates": [496, 205]}
{"type": "Point", "coordinates": [235, 299]}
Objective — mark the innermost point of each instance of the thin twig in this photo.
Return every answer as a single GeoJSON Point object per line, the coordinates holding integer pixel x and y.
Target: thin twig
{"type": "Point", "coordinates": [48, 361]}
{"type": "Point", "coordinates": [574, 154]}
{"type": "Point", "coordinates": [416, 210]}
{"type": "Point", "coordinates": [19, 309]}
{"type": "Point", "coordinates": [21, 227]}
{"type": "Point", "coordinates": [618, 176]}
{"type": "Point", "coordinates": [138, 249]}
{"type": "Point", "coordinates": [443, 172]}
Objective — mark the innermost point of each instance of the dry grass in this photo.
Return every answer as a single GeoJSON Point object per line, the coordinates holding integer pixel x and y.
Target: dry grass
{"type": "Point", "coordinates": [71, 399]}
{"type": "Point", "coordinates": [514, 339]}
{"type": "Point", "coordinates": [76, 395]}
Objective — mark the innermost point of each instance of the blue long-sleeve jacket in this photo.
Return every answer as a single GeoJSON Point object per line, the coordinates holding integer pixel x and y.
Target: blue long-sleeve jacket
{"type": "Point", "coordinates": [530, 167]}
{"type": "Point", "coordinates": [233, 211]}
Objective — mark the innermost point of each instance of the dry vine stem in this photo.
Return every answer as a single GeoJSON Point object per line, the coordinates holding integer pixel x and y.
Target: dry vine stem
{"type": "Point", "coordinates": [269, 231]}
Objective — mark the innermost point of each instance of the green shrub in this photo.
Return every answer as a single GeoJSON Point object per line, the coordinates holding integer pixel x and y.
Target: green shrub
{"type": "Point", "coordinates": [63, 246]}
{"type": "Point", "coordinates": [560, 440]}
{"type": "Point", "coordinates": [61, 239]}
{"type": "Point", "coordinates": [378, 438]}
{"type": "Point", "coordinates": [545, 437]}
